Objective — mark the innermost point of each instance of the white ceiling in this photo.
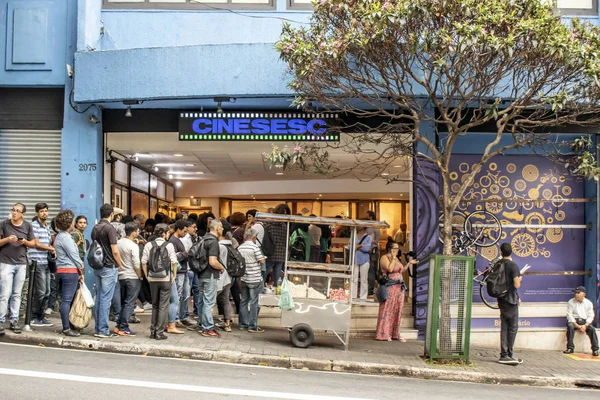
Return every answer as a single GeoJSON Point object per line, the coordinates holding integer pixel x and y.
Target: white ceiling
{"type": "Point", "coordinates": [218, 161]}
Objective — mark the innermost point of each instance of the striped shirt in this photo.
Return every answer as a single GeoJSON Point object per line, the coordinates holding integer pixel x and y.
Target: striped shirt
{"type": "Point", "coordinates": [42, 233]}
{"type": "Point", "coordinates": [253, 255]}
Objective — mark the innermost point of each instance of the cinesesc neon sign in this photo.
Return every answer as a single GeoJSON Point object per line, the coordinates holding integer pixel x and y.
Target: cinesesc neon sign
{"type": "Point", "coordinates": [256, 126]}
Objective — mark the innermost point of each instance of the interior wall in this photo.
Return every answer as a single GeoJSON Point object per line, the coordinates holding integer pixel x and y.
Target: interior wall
{"type": "Point", "coordinates": [290, 187]}
{"type": "Point", "coordinates": [213, 202]}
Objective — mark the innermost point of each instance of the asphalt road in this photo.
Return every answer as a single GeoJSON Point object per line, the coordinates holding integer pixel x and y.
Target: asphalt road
{"type": "Point", "coordinates": [29, 372]}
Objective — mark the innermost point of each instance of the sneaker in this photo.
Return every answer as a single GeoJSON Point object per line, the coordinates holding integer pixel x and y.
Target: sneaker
{"type": "Point", "coordinates": [569, 351]}
{"type": "Point", "coordinates": [243, 328]}
{"type": "Point", "coordinates": [187, 323]}
{"type": "Point", "coordinates": [15, 327]}
{"type": "Point", "coordinates": [126, 332]}
{"type": "Point", "coordinates": [508, 361]}
{"type": "Point", "coordinates": [106, 335]}
{"type": "Point", "coordinates": [134, 320]}
{"type": "Point", "coordinates": [48, 311]}
{"type": "Point", "coordinates": [112, 318]}
{"type": "Point", "coordinates": [517, 360]}
{"type": "Point", "coordinates": [70, 333]}
{"type": "Point", "coordinates": [1, 330]}
{"type": "Point", "coordinates": [179, 324]}
{"type": "Point", "coordinates": [227, 328]}
{"type": "Point", "coordinates": [147, 306]}
{"type": "Point", "coordinates": [210, 333]}
{"type": "Point", "coordinates": [594, 353]}
{"type": "Point", "coordinates": [37, 323]}
{"type": "Point", "coordinates": [193, 327]}
{"type": "Point", "coordinates": [45, 322]}
{"type": "Point", "coordinates": [258, 329]}
{"type": "Point", "coordinates": [139, 310]}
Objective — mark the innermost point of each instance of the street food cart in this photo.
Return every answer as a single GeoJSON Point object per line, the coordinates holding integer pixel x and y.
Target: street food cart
{"type": "Point", "coordinates": [321, 291]}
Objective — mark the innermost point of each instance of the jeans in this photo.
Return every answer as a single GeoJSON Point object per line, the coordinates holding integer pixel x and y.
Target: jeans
{"type": "Point", "coordinates": [509, 319]}
{"type": "Point", "coordinates": [193, 278]}
{"type": "Point", "coordinates": [69, 283]}
{"type": "Point", "coordinates": [224, 303]}
{"type": "Point", "coordinates": [276, 267]}
{"type": "Point", "coordinates": [12, 277]}
{"type": "Point", "coordinates": [130, 288]}
{"type": "Point", "coordinates": [115, 304]}
{"type": "Point", "coordinates": [41, 291]}
{"type": "Point", "coordinates": [207, 296]}
{"type": "Point", "coordinates": [144, 295]}
{"type": "Point", "coordinates": [105, 280]}
{"type": "Point", "coordinates": [173, 303]}
{"type": "Point", "coordinates": [249, 299]}
{"type": "Point", "coordinates": [363, 271]}
{"type": "Point", "coordinates": [54, 291]}
{"type": "Point", "coordinates": [373, 266]}
{"type": "Point", "coordinates": [183, 291]}
{"type": "Point", "coordinates": [591, 332]}
{"type": "Point", "coordinates": [161, 294]}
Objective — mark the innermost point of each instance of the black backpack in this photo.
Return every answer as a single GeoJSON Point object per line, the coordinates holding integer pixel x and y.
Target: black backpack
{"type": "Point", "coordinates": [159, 262]}
{"type": "Point", "coordinates": [96, 255]}
{"type": "Point", "coordinates": [236, 263]}
{"type": "Point", "coordinates": [198, 256]}
{"type": "Point", "coordinates": [267, 245]}
{"type": "Point", "coordinates": [496, 283]}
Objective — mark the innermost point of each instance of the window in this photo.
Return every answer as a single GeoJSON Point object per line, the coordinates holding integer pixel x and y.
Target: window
{"type": "Point", "coordinates": [299, 5]}
{"type": "Point", "coordinates": [577, 7]}
{"type": "Point", "coordinates": [192, 4]}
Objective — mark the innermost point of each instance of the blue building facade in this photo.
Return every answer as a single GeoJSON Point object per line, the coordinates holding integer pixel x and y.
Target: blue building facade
{"type": "Point", "coordinates": [171, 55]}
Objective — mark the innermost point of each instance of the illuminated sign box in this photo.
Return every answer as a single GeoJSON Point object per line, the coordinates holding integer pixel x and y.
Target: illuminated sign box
{"type": "Point", "coordinates": [213, 126]}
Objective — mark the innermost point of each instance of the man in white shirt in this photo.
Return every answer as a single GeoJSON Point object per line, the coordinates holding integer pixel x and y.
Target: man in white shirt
{"type": "Point", "coordinates": [130, 275]}
{"type": "Point", "coordinates": [251, 282]}
{"type": "Point", "coordinates": [580, 315]}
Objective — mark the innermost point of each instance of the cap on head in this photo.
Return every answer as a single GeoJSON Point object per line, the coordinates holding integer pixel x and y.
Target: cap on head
{"type": "Point", "coordinates": [118, 211]}
{"type": "Point", "coordinates": [580, 289]}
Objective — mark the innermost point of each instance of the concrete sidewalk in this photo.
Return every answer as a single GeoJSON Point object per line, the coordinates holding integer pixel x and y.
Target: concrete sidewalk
{"type": "Point", "coordinates": [366, 356]}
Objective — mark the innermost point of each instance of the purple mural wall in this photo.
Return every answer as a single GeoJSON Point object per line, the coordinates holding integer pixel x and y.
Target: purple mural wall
{"type": "Point", "coordinates": [539, 188]}
{"type": "Point", "coordinates": [553, 253]}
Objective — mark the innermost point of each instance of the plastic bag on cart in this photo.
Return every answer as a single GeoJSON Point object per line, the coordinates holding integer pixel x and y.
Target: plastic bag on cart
{"type": "Point", "coordinates": [286, 301]}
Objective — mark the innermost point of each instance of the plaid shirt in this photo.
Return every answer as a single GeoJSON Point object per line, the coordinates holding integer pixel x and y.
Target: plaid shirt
{"type": "Point", "coordinates": [42, 233]}
{"type": "Point", "coordinates": [279, 234]}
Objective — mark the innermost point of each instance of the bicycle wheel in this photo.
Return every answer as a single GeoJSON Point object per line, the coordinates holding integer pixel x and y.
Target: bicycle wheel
{"type": "Point", "coordinates": [488, 300]}
{"type": "Point", "coordinates": [484, 228]}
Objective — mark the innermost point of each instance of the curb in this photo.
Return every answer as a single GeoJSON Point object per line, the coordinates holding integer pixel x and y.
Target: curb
{"type": "Point", "coordinates": [237, 357]}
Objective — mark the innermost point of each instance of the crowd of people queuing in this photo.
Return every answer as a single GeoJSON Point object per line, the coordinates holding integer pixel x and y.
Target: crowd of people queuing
{"type": "Point", "coordinates": [146, 266]}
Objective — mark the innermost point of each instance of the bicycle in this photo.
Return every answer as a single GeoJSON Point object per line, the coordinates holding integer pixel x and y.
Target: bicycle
{"type": "Point", "coordinates": [473, 233]}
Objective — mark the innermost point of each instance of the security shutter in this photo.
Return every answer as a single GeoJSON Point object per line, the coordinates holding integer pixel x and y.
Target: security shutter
{"type": "Point", "coordinates": [30, 164]}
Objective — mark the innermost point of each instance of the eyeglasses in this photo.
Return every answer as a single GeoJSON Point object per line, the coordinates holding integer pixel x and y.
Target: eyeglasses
{"type": "Point", "coordinates": [17, 211]}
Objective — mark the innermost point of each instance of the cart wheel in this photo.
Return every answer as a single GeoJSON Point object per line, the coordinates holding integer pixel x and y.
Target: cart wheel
{"type": "Point", "coordinates": [302, 336]}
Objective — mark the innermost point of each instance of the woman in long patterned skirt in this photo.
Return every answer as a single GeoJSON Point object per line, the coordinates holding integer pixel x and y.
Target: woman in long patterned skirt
{"type": "Point", "coordinates": [390, 310]}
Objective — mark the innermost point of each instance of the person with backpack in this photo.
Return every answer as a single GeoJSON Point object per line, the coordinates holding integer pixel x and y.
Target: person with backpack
{"type": "Point", "coordinates": [225, 280]}
{"type": "Point", "coordinates": [105, 259]}
{"type": "Point", "coordinates": [159, 263]}
{"type": "Point", "coordinates": [204, 261]}
{"type": "Point", "coordinates": [505, 278]}
{"type": "Point", "coordinates": [362, 262]}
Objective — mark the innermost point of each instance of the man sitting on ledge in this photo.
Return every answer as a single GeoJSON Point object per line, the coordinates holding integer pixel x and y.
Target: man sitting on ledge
{"type": "Point", "coordinates": [580, 315]}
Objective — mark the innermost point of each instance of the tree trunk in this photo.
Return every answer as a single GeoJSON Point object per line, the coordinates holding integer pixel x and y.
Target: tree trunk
{"type": "Point", "coordinates": [445, 326]}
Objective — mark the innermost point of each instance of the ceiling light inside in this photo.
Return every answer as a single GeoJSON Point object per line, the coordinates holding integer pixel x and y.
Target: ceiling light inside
{"type": "Point", "coordinates": [178, 184]}
{"type": "Point", "coordinates": [279, 173]}
{"type": "Point", "coordinates": [170, 176]}
{"type": "Point", "coordinates": [189, 165]}
{"type": "Point", "coordinates": [128, 112]}
{"type": "Point", "coordinates": [385, 173]}
{"type": "Point", "coordinates": [178, 155]}
{"type": "Point", "coordinates": [199, 173]}
{"type": "Point", "coordinates": [155, 168]}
